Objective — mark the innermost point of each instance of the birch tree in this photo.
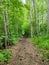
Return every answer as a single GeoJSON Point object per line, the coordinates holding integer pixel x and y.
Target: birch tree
{"type": "Point", "coordinates": [31, 26]}
{"type": "Point", "coordinates": [4, 22]}
{"type": "Point", "coordinates": [36, 17]}
{"type": "Point", "coordinates": [48, 19]}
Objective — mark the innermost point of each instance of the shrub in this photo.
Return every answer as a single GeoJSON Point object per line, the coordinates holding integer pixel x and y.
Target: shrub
{"type": "Point", "coordinates": [5, 55]}
{"type": "Point", "coordinates": [42, 45]}
{"type": "Point", "coordinates": [1, 57]}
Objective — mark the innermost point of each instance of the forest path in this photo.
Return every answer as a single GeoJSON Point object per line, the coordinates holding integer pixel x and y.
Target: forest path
{"type": "Point", "coordinates": [25, 53]}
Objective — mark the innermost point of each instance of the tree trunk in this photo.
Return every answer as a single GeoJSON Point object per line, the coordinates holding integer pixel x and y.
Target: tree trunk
{"type": "Point", "coordinates": [6, 18]}
{"type": "Point", "coordinates": [5, 24]}
{"type": "Point", "coordinates": [35, 16]}
{"type": "Point", "coordinates": [48, 20]}
{"type": "Point", "coordinates": [42, 17]}
{"type": "Point", "coordinates": [31, 26]}
{"type": "Point", "coordinates": [5, 28]}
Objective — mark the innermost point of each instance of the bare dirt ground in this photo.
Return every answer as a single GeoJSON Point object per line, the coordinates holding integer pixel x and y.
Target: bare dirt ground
{"type": "Point", "coordinates": [25, 53]}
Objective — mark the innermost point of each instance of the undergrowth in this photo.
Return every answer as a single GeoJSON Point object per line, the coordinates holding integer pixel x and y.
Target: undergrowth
{"type": "Point", "coordinates": [42, 44]}
{"type": "Point", "coordinates": [5, 55]}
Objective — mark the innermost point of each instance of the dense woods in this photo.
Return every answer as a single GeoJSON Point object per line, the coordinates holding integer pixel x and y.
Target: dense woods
{"type": "Point", "coordinates": [19, 18]}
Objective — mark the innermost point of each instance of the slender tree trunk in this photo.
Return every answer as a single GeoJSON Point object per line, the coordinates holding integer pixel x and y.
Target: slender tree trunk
{"type": "Point", "coordinates": [42, 17]}
{"type": "Point", "coordinates": [42, 22]}
{"type": "Point", "coordinates": [48, 20]}
{"type": "Point", "coordinates": [35, 16]}
{"type": "Point", "coordinates": [5, 28]}
{"type": "Point", "coordinates": [31, 26]}
{"type": "Point", "coordinates": [5, 20]}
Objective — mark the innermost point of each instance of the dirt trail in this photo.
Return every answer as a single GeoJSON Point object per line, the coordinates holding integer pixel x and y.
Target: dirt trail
{"type": "Point", "coordinates": [25, 54]}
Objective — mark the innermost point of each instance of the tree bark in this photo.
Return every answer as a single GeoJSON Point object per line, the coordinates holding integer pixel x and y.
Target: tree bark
{"type": "Point", "coordinates": [48, 20]}
{"type": "Point", "coordinates": [5, 23]}
{"type": "Point", "coordinates": [31, 25]}
{"type": "Point", "coordinates": [5, 28]}
{"type": "Point", "coordinates": [35, 16]}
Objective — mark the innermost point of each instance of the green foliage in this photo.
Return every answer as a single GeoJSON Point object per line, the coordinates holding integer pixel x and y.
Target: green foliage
{"type": "Point", "coordinates": [19, 24]}
{"type": "Point", "coordinates": [1, 57]}
{"type": "Point", "coordinates": [45, 56]}
{"type": "Point", "coordinates": [43, 27]}
{"type": "Point", "coordinates": [42, 45]}
{"type": "Point", "coordinates": [1, 41]}
{"type": "Point", "coordinates": [1, 44]}
{"type": "Point", "coordinates": [5, 55]}
{"type": "Point", "coordinates": [13, 40]}
{"type": "Point", "coordinates": [26, 28]}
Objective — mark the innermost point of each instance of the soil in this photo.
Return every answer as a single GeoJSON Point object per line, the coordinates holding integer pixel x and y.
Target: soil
{"type": "Point", "coordinates": [25, 53]}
